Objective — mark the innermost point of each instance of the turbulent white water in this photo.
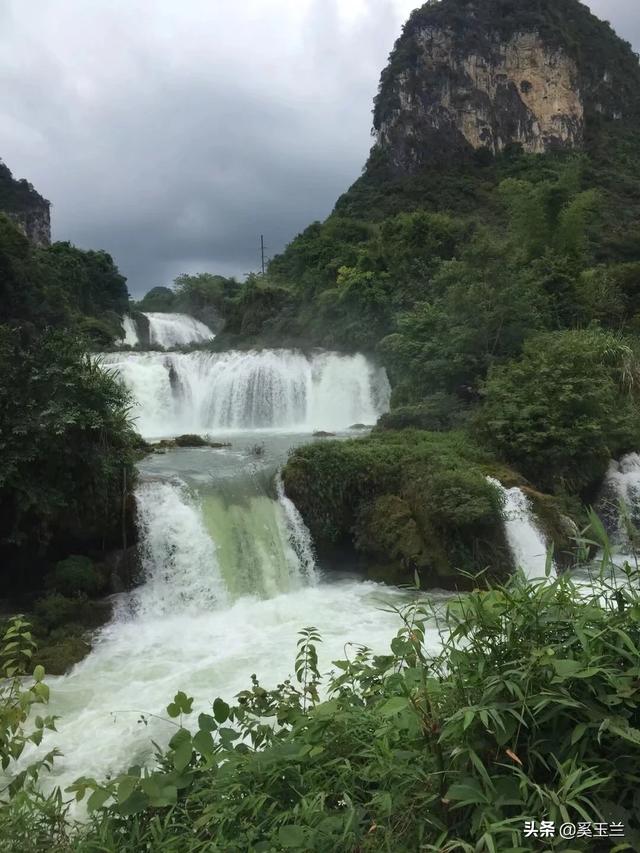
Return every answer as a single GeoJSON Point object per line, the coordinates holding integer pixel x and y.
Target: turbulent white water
{"type": "Point", "coordinates": [298, 535]}
{"type": "Point", "coordinates": [229, 579]}
{"type": "Point", "coordinates": [131, 338]}
{"type": "Point", "coordinates": [178, 556]}
{"type": "Point", "coordinates": [137, 666]}
{"type": "Point", "coordinates": [176, 330]}
{"type": "Point", "coordinates": [271, 389]}
{"type": "Point", "coordinates": [620, 501]}
{"type": "Point", "coordinates": [526, 542]}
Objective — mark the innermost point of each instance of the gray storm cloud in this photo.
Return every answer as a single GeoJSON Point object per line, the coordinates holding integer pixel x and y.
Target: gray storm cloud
{"type": "Point", "coordinates": [173, 135]}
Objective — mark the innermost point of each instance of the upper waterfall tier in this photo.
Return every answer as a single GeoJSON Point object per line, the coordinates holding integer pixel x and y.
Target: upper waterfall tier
{"type": "Point", "coordinates": [176, 330]}
{"type": "Point", "coordinates": [272, 389]}
{"type": "Point", "coordinates": [166, 330]}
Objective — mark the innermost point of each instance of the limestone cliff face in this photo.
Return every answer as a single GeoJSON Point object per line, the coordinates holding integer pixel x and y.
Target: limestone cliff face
{"type": "Point", "coordinates": [35, 223]}
{"type": "Point", "coordinates": [29, 210]}
{"type": "Point", "coordinates": [460, 80]}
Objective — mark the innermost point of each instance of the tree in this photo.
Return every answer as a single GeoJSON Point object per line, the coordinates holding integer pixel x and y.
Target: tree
{"type": "Point", "coordinates": [565, 408]}
{"type": "Point", "coordinates": [158, 299]}
{"type": "Point", "coordinates": [67, 447]}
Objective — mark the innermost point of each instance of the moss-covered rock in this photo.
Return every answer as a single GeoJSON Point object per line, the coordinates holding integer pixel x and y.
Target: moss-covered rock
{"type": "Point", "coordinates": [405, 502]}
{"type": "Point", "coordinates": [558, 527]}
{"type": "Point", "coordinates": [388, 533]}
{"type": "Point", "coordinates": [191, 441]}
{"type": "Point", "coordinates": [187, 441]}
{"type": "Point", "coordinates": [56, 610]}
{"type": "Point", "coordinates": [63, 627]}
{"type": "Point", "coordinates": [59, 654]}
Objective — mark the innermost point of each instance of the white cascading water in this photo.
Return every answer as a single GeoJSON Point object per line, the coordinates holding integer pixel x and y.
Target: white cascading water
{"type": "Point", "coordinates": [525, 539]}
{"type": "Point", "coordinates": [620, 501]}
{"type": "Point", "coordinates": [624, 477]}
{"type": "Point", "coordinates": [177, 555]}
{"type": "Point", "coordinates": [270, 389]}
{"type": "Point", "coordinates": [229, 574]}
{"type": "Point", "coordinates": [176, 330]}
{"type": "Point", "coordinates": [298, 535]}
{"type": "Point", "coordinates": [130, 338]}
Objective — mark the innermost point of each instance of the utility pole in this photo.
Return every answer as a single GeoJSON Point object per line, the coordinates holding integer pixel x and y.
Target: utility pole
{"type": "Point", "coordinates": [262, 251]}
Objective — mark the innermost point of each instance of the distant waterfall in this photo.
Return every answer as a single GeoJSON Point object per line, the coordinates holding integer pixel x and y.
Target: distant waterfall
{"type": "Point", "coordinates": [166, 330]}
{"type": "Point", "coordinates": [527, 544]}
{"type": "Point", "coordinates": [176, 330]}
{"type": "Point", "coordinates": [271, 389]}
{"type": "Point", "coordinates": [130, 338]}
{"type": "Point", "coordinates": [621, 498]}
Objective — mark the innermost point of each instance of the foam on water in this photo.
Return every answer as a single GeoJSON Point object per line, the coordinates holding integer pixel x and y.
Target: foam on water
{"type": "Point", "coordinates": [137, 666]}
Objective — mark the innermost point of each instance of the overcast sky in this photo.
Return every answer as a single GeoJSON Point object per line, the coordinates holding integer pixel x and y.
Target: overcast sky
{"type": "Point", "coordinates": [174, 133]}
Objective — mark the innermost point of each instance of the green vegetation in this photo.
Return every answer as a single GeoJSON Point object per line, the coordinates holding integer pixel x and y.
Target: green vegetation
{"type": "Point", "coordinates": [67, 449]}
{"type": "Point", "coordinates": [60, 286]}
{"type": "Point", "coordinates": [17, 196]}
{"type": "Point", "coordinates": [565, 408]}
{"type": "Point", "coordinates": [515, 331]}
{"type": "Point", "coordinates": [528, 710]}
{"type": "Point", "coordinates": [204, 296]}
{"type": "Point", "coordinates": [410, 501]}
{"type": "Point", "coordinates": [76, 574]}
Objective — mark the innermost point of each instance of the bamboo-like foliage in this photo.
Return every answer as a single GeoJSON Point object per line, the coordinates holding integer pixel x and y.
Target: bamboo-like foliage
{"type": "Point", "coordinates": [528, 708]}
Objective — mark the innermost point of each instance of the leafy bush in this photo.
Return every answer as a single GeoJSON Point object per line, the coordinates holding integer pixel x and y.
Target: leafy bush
{"type": "Point", "coordinates": [530, 711]}
{"type": "Point", "coordinates": [30, 822]}
{"type": "Point", "coordinates": [565, 408]}
{"type": "Point", "coordinates": [407, 501]}
{"type": "Point", "coordinates": [17, 699]}
{"type": "Point", "coordinates": [67, 448]}
{"type": "Point", "coordinates": [76, 575]}
{"type": "Point", "coordinates": [56, 609]}
{"type": "Point", "coordinates": [439, 412]}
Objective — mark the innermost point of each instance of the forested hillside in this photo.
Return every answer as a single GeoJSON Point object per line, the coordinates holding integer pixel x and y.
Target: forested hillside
{"type": "Point", "coordinates": [501, 289]}
{"type": "Point", "coordinates": [67, 448]}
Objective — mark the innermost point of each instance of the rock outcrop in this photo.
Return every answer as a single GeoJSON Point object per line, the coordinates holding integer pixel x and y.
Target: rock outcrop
{"type": "Point", "coordinates": [31, 212]}
{"type": "Point", "coordinates": [468, 75]}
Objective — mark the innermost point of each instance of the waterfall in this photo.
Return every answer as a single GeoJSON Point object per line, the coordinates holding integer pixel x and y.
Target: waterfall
{"type": "Point", "coordinates": [179, 558]}
{"type": "Point", "coordinates": [130, 338]}
{"type": "Point", "coordinates": [620, 502]}
{"type": "Point", "coordinates": [271, 389]}
{"type": "Point", "coordinates": [199, 551]}
{"type": "Point", "coordinates": [176, 330]}
{"type": "Point", "coordinates": [527, 544]}
{"type": "Point", "coordinates": [298, 534]}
